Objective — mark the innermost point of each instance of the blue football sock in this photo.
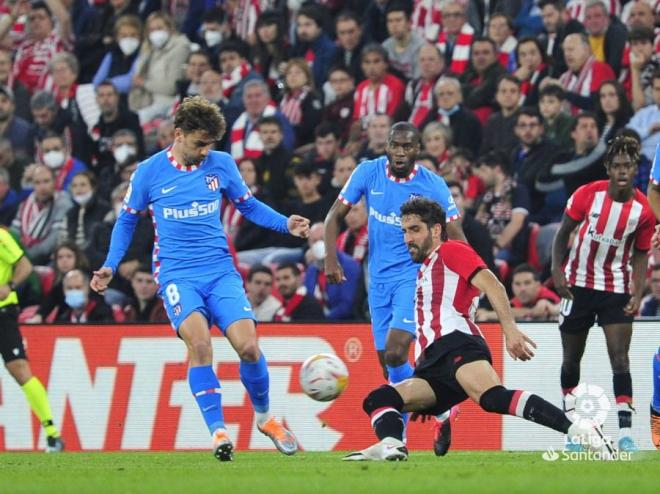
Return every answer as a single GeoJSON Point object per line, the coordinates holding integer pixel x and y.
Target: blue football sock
{"type": "Point", "coordinates": [656, 382]}
{"type": "Point", "coordinates": [254, 376]}
{"type": "Point", "coordinates": [205, 388]}
{"type": "Point", "coordinates": [400, 372]}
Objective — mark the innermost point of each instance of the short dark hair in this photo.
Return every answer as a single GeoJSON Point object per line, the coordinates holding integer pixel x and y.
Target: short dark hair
{"type": "Point", "coordinates": [109, 83]}
{"type": "Point", "coordinates": [374, 48]}
{"type": "Point", "coordinates": [214, 14]}
{"type": "Point", "coordinates": [496, 158]}
{"type": "Point", "coordinates": [235, 46]}
{"type": "Point", "coordinates": [304, 169]}
{"type": "Point", "coordinates": [554, 91]}
{"type": "Point", "coordinates": [641, 34]}
{"type": "Point", "coordinates": [453, 183]}
{"type": "Point", "coordinates": [348, 15]}
{"type": "Point", "coordinates": [258, 268]}
{"type": "Point", "coordinates": [312, 11]}
{"type": "Point", "coordinates": [506, 17]}
{"type": "Point", "coordinates": [508, 77]}
{"type": "Point", "coordinates": [342, 68]}
{"type": "Point", "coordinates": [91, 176]}
{"type": "Point", "coordinates": [428, 157]}
{"type": "Point", "coordinates": [399, 6]}
{"type": "Point", "coordinates": [483, 39]}
{"type": "Point", "coordinates": [406, 127]}
{"type": "Point", "coordinates": [539, 46]}
{"type": "Point", "coordinates": [51, 134]}
{"type": "Point", "coordinates": [325, 129]}
{"type": "Point", "coordinates": [143, 268]}
{"type": "Point", "coordinates": [428, 210]}
{"type": "Point", "coordinates": [271, 120]}
{"type": "Point", "coordinates": [41, 5]}
{"type": "Point", "coordinates": [529, 111]}
{"type": "Point", "coordinates": [526, 268]}
{"type": "Point", "coordinates": [195, 113]}
{"type": "Point", "coordinates": [289, 265]}
{"type": "Point", "coordinates": [581, 116]}
{"type": "Point", "coordinates": [558, 4]}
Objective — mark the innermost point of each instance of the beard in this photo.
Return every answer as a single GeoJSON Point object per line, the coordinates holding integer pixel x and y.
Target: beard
{"type": "Point", "coordinates": [419, 252]}
{"type": "Point", "coordinates": [4, 116]}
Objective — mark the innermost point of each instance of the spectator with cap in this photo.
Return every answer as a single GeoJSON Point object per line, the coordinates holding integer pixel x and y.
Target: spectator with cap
{"type": "Point", "coordinates": [312, 43]}
{"type": "Point", "coordinates": [118, 64]}
{"type": "Point", "coordinates": [14, 128]}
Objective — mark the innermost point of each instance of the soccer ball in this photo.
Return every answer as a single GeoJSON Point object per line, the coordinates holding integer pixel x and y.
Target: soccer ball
{"type": "Point", "coordinates": [323, 377]}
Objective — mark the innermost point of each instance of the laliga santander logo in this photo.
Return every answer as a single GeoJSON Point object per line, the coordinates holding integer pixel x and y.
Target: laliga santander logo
{"type": "Point", "coordinates": [587, 405]}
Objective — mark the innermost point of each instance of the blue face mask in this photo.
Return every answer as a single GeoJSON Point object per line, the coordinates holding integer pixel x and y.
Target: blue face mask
{"type": "Point", "coordinates": [75, 299]}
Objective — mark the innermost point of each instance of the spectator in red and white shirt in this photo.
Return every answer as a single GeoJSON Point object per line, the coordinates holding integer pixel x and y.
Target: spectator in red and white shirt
{"type": "Point", "coordinates": [35, 53]}
{"type": "Point", "coordinates": [585, 74]}
{"type": "Point", "coordinates": [380, 92]}
{"type": "Point", "coordinates": [603, 277]}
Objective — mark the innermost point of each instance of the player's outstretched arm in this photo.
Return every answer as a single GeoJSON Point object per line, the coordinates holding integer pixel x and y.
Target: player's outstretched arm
{"type": "Point", "coordinates": [559, 250]}
{"type": "Point", "coordinates": [333, 271]}
{"type": "Point", "coordinates": [122, 234]}
{"type": "Point", "coordinates": [518, 344]}
{"type": "Point", "coordinates": [263, 215]}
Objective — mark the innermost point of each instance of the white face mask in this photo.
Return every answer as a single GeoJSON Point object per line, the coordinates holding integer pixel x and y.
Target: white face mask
{"type": "Point", "coordinates": [318, 250]}
{"type": "Point", "coordinates": [159, 37]}
{"type": "Point", "coordinates": [83, 199]}
{"type": "Point", "coordinates": [212, 38]}
{"type": "Point", "coordinates": [123, 152]}
{"type": "Point", "coordinates": [54, 159]}
{"type": "Point", "coordinates": [128, 45]}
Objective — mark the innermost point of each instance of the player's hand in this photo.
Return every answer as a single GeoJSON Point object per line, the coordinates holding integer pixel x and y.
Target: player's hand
{"type": "Point", "coordinates": [333, 272]}
{"type": "Point", "coordinates": [561, 285]}
{"type": "Point", "coordinates": [632, 307]}
{"type": "Point", "coordinates": [298, 226]}
{"type": "Point", "coordinates": [655, 240]}
{"type": "Point", "coordinates": [101, 280]}
{"type": "Point", "coordinates": [518, 344]}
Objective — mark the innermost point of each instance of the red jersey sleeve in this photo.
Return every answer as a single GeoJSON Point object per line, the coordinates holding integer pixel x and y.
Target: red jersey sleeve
{"type": "Point", "coordinates": [577, 204]}
{"type": "Point", "coordinates": [461, 258]}
{"type": "Point", "coordinates": [645, 229]}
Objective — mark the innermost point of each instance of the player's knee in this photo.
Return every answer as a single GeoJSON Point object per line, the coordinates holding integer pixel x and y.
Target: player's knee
{"type": "Point", "coordinates": [620, 364]}
{"type": "Point", "coordinates": [249, 352]}
{"type": "Point", "coordinates": [396, 356]}
{"type": "Point", "coordinates": [201, 351]}
{"type": "Point", "coordinates": [496, 399]}
{"type": "Point", "coordinates": [384, 397]}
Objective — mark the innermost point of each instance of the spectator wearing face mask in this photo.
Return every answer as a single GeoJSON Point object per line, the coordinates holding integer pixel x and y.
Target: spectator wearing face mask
{"type": "Point", "coordinates": [54, 154]}
{"type": "Point", "coordinates": [87, 210]}
{"type": "Point", "coordinates": [82, 307]}
{"type": "Point", "coordinates": [124, 151]}
{"type": "Point", "coordinates": [338, 301]}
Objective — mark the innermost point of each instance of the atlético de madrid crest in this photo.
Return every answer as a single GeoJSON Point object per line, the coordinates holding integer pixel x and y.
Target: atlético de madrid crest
{"type": "Point", "coordinates": [212, 182]}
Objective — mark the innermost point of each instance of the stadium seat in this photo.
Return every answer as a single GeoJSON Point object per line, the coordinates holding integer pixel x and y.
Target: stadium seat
{"type": "Point", "coordinates": [532, 248]}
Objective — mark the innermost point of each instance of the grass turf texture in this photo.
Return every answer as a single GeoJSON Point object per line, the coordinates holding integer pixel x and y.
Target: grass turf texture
{"type": "Point", "coordinates": [318, 473]}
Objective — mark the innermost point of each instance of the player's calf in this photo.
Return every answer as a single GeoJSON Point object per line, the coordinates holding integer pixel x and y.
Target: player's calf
{"type": "Point", "coordinates": [384, 406]}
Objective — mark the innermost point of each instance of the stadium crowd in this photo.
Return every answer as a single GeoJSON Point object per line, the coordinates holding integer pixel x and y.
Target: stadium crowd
{"type": "Point", "coordinates": [516, 101]}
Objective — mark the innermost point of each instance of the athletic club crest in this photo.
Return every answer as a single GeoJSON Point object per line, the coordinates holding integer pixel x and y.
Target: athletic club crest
{"type": "Point", "coordinates": [212, 182]}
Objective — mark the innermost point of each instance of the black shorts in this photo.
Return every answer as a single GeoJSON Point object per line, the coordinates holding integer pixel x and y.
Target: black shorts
{"type": "Point", "coordinates": [441, 361]}
{"type": "Point", "coordinates": [589, 306]}
{"type": "Point", "coordinates": [11, 340]}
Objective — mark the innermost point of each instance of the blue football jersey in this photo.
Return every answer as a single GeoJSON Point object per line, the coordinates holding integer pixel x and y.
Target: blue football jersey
{"type": "Point", "coordinates": [184, 203]}
{"type": "Point", "coordinates": [389, 258]}
{"type": "Point", "coordinates": [655, 169]}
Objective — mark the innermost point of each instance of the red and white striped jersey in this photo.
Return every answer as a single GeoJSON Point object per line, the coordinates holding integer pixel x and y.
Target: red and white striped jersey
{"type": "Point", "coordinates": [608, 231]}
{"type": "Point", "coordinates": [32, 59]}
{"type": "Point", "coordinates": [386, 97]}
{"type": "Point", "coordinates": [576, 9]}
{"type": "Point", "coordinates": [445, 301]}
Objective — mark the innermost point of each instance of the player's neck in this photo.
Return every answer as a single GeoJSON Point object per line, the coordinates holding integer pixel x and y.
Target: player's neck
{"type": "Point", "coordinates": [403, 173]}
{"type": "Point", "coordinates": [176, 152]}
{"type": "Point", "coordinates": [619, 195]}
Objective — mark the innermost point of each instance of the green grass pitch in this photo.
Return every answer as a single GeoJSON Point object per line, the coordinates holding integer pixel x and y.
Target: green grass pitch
{"type": "Point", "coordinates": [317, 473]}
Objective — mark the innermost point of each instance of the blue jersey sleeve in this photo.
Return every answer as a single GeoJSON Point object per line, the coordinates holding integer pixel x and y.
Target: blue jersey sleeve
{"type": "Point", "coordinates": [655, 169]}
{"type": "Point", "coordinates": [356, 186]}
{"type": "Point", "coordinates": [443, 197]}
{"type": "Point", "coordinates": [253, 209]}
{"type": "Point", "coordinates": [137, 196]}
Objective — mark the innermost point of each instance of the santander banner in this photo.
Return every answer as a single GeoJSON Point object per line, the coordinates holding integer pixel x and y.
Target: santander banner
{"type": "Point", "coordinates": [125, 388]}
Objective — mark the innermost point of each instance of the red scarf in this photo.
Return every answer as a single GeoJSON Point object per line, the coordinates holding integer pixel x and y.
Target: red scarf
{"type": "Point", "coordinates": [250, 145]}
{"type": "Point", "coordinates": [84, 316]}
{"type": "Point", "coordinates": [427, 19]}
{"type": "Point", "coordinates": [229, 82]}
{"type": "Point", "coordinates": [527, 84]}
{"type": "Point", "coordinates": [383, 98]}
{"type": "Point", "coordinates": [35, 220]}
{"type": "Point", "coordinates": [421, 98]}
{"type": "Point", "coordinates": [290, 305]}
{"type": "Point", "coordinates": [291, 105]}
{"type": "Point", "coordinates": [310, 56]}
{"type": "Point", "coordinates": [63, 173]}
{"type": "Point", "coordinates": [461, 54]}
{"type": "Point", "coordinates": [355, 244]}
{"type": "Point", "coordinates": [579, 83]}
{"type": "Point", "coordinates": [321, 289]}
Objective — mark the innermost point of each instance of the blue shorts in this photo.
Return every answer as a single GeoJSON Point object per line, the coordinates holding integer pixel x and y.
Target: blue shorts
{"type": "Point", "coordinates": [392, 305]}
{"type": "Point", "coordinates": [220, 298]}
